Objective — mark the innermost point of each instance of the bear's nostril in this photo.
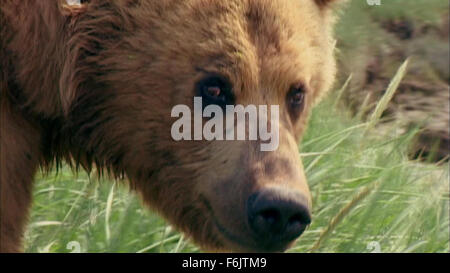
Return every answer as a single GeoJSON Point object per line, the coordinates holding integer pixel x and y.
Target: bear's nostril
{"type": "Point", "coordinates": [271, 216]}
{"type": "Point", "coordinates": [297, 224]}
{"type": "Point", "coordinates": [299, 218]}
{"type": "Point", "coordinates": [295, 220]}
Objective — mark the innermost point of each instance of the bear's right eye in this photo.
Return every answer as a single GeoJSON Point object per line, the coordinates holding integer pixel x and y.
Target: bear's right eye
{"type": "Point", "coordinates": [215, 90]}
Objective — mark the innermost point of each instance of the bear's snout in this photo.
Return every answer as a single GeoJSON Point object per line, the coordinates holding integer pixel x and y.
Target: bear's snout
{"type": "Point", "coordinates": [277, 216]}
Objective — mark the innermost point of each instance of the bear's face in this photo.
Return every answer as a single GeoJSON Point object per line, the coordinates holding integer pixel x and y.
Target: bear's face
{"type": "Point", "coordinates": [227, 195]}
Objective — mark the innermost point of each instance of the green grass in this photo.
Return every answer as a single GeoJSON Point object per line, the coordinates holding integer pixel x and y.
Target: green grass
{"type": "Point", "coordinates": [368, 196]}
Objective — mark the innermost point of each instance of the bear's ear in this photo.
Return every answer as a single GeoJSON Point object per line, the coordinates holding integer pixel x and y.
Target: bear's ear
{"type": "Point", "coordinates": [325, 3]}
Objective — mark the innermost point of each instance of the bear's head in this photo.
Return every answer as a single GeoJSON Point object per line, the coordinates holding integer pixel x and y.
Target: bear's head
{"type": "Point", "coordinates": [131, 62]}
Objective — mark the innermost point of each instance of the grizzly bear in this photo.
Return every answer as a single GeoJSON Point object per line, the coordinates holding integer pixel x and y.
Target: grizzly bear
{"type": "Point", "coordinates": [93, 85]}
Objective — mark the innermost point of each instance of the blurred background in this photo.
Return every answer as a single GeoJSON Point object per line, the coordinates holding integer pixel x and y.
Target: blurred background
{"type": "Point", "coordinates": [374, 40]}
{"type": "Point", "coordinates": [375, 153]}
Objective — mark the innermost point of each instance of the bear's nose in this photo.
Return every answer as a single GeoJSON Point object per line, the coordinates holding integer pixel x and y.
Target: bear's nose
{"type": "Point", "coordinates": [278, 216]}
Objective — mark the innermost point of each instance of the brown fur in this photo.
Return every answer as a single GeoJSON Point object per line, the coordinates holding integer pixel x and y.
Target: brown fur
{"type": "Point", "coordinates": [93, 85]}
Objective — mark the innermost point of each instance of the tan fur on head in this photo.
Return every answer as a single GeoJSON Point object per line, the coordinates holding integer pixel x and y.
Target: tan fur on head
{"type": "Point", "coordinates": [94, 85]}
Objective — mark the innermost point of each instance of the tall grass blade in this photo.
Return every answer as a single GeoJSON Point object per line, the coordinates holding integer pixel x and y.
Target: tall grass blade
{"type": "Point", "coordinates": [340, 216]}
{"type": "Point", "coordinates": [387, 97]}
{"type": "Point", "coordinates": [342, 90]}
{"type": "Point", "coordinates": [108, 212]}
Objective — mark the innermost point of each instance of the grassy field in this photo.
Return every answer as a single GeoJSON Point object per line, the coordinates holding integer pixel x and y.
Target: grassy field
{"type": "Point", "coordinates": [368, 197]}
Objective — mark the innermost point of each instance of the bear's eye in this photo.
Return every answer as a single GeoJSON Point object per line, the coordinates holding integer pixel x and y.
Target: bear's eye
{"type": "Point", "coordinates": [215, 90]}
{"type": "Point", "coordinates": [296, 98]}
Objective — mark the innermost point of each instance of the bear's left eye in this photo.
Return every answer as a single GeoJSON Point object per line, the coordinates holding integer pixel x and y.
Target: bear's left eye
{"type": "Point", "coordinates": [215, 90]}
